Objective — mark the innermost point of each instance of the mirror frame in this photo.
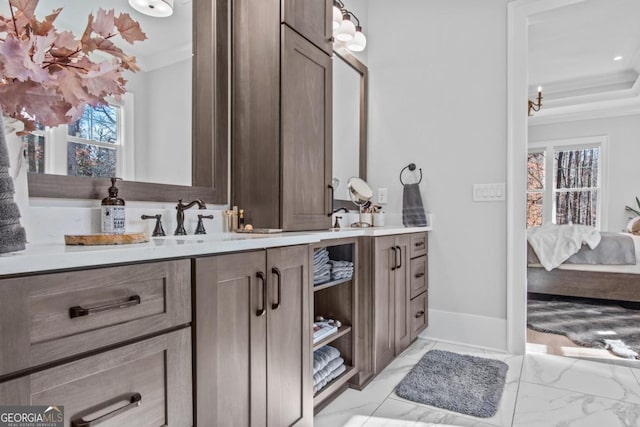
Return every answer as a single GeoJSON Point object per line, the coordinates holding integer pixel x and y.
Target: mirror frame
{"type": "Point", "coordinates": [363, 71]}
{"type": "Point", "coordinates": [209, 127]}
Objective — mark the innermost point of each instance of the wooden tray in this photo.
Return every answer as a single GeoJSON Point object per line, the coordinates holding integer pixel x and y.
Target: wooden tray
{"type": "Point", "coordinates": [105, 239]}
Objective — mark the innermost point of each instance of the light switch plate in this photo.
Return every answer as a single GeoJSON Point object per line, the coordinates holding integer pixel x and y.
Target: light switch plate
{"type": "Point", "coordinates": [489, 192]}
{"type": "Point", "coordinates": [382, 196]}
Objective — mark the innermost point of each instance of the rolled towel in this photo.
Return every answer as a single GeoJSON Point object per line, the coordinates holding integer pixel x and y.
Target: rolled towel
{"type": "Point", "coordinates": [323, 373]}
{"type": "Point", "coordinates": [12, 238]}
{"type": "Point", "coordinates": [333, 375]}
{"type": "Point", "coordinates": [322, 357]}
{"type": "Point", "coordinates": [6, 186]}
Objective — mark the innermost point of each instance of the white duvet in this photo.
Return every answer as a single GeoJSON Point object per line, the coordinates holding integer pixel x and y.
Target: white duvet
{"type": "Point", "coordinates": [554, 244]}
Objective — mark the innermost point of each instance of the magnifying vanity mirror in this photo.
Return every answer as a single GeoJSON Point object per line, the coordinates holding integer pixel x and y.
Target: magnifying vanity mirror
{"type": "Point", "coordinates": [167, 137]}
{"type": "Point", "coordinates": [360, 194]}
{"type": "Point", "coordinates": [350, 92]}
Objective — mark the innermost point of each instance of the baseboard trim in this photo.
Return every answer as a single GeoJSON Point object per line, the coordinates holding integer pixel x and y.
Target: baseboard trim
{"type": "Point", "coordinates": [487, 333]}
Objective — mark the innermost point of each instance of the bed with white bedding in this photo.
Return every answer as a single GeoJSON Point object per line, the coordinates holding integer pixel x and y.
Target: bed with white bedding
{"type": "Point", "coordinates": [619, 280]}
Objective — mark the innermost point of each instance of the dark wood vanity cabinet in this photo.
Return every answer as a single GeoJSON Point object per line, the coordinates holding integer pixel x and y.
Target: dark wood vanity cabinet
{"type": "Point", "coordinates": [312, 19]}
{"type": "Point", "coordinates": [399, 300]}
{"type": "Point", "coordinates": [281, 115]}
{"type": "Point", "coordinates": [306, 95]}
{"type": "Point", "coordinates": [111, 344]}
{"type": "Point", "coordinates": [253, 339]}
{"type": "Point", "coordinates": [392, 324]}
{"type": "Point", "coordinates": [145, 384]}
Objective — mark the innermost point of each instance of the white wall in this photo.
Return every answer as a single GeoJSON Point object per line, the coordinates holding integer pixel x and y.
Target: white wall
{"type": "Point", "coordinates": [163, 124]}
{"type": "Point", "coordinates": [438, 98]}
{"type": "Point", "coordinates": [624, 151]}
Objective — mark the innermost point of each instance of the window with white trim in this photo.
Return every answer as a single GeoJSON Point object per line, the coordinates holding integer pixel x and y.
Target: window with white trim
{"type": "Point", "coordinates": [565, 182]}
{"type": "Point", "coordinates": [91, 147]}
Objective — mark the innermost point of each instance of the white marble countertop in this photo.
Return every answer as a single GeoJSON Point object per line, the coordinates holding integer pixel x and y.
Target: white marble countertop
{"type": "Point", "coordinates": [41, 257]}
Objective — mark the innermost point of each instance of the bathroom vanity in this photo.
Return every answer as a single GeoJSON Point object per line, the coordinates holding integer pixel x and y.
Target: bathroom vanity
{"type": "Point", "coordinates": [202, 330]}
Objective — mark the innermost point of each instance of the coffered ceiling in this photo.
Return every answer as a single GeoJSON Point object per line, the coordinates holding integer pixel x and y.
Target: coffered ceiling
{"type": "Point", "coordinates": [586, 56]}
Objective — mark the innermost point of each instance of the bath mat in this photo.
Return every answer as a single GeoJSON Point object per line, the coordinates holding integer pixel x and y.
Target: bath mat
{"type": "Point", "coordinates": [607, 326]}
{"type": "Point", "coordinates": [468, 385]}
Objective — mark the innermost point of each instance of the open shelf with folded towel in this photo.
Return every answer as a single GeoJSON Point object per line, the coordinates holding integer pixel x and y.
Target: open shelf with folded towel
{"type": "Point", "coordinates": [335, 294]}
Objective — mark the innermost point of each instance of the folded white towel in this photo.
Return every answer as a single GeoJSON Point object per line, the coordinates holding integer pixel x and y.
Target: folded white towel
{"type": "Point", "coordinates": [322, 357]}
{"type": "Point", "coordinates": [323, 373]}
{"type": "Point", "coordinates": [333, 375]}
{"type": "Point", "coordinates": [554, 244]}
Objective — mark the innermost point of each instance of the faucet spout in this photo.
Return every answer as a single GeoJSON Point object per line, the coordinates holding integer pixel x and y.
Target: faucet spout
{"type": "Point", "coordinates": [180, 208]}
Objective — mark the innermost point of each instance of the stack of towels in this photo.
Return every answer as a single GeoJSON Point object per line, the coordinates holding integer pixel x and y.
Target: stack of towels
{"type": "Point", "coordinates": [321, 267]}
{"type": "Point", "coordinates": [325, 270]}
{"type": "Point", "coordinates": [341, 270]}
{"type": "Point", "coordinates": [327, 366]}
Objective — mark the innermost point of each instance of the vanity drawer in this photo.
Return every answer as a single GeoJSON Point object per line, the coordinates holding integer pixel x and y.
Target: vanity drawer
{"type": "Point", "coordinates": [419, 276]}
{"type": "Point", "coordinates": [419, 314]}
{"type": "Point", "coordinates": [146, 384]}
{"type": "Point", "coordinates": [48, 317]}
{"type": "Point", "coordinates": [419, 244]}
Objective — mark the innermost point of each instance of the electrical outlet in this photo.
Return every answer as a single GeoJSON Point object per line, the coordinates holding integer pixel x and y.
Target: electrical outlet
{"type": "Point", "coordinates": [382, 196]}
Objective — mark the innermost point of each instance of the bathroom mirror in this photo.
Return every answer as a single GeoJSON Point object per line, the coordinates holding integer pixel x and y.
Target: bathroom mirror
{"type": "Point", "coordinates": [350, 94]}
{"type": "Point", "coordinates": [167, 137]}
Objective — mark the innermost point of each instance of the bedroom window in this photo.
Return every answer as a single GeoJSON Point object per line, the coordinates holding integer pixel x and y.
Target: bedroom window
{"type": "Point", "coordinates": [92, 146]}
{"type": "Point", "coordinates": [565, 182]}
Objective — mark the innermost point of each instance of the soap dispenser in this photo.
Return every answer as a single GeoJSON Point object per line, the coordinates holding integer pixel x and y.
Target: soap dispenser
{"type": "Point", "coordinates": [113, 213]}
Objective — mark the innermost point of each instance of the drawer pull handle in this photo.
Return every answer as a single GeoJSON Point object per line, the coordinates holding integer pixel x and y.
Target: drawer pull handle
{"type": "Point", "coordinates": [261, 312]}
{"type": "Point", "coordinates": [78, 311]}
{"type": "Point", "coordinates": [276, 271]}
{"type": "Point", "coordinates": [419, 314]}
{"type": "Point", "coordinates": [400, 251]}
{"type": "Point", "coordinates": [418, 244]}
{"type": "Point", "coordinates": [134, 401]}
{"type": "Point", "coordinates": [394, 267]}
{"type": "Point", "coordinates": [419, 275]}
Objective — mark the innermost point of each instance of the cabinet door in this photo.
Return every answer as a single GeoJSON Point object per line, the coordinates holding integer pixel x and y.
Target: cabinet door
{"type": "Point", "coordinates": [385, 261]}
{"type": "Point", "coordinates": [289, 338]}
{"type": "Point", "coordinates": [145, 384]}
{"type": "Point", "coordinates": [402, 294]}
{"type": "Point", "coordinates": [306, 134]}
{"type": "Point", "coordinates": [230, 340]}
{"type": "Point", "coordinates": [312, 19]}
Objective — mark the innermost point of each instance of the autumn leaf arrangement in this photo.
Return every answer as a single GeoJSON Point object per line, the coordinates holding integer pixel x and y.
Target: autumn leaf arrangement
{"type": "Point", "coordinates": [52, 75]}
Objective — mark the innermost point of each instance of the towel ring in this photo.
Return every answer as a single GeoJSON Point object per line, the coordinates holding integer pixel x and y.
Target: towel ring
{"type": "Point", "coordinates": [411, 167]}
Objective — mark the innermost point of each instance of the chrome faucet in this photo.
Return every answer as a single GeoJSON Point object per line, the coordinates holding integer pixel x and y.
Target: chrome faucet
{"type": "Point", "coordinates": [180, 208]}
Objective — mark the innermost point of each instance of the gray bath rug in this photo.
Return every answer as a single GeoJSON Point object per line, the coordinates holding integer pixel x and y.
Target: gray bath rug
{"type": "Point", "coordinates": [607, 326]}
{"type": "Point", "coordinates": [468, 385]}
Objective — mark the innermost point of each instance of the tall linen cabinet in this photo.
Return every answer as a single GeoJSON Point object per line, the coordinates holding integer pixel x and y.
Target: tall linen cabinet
{"type": "Point", "coordinates": [281, 103]}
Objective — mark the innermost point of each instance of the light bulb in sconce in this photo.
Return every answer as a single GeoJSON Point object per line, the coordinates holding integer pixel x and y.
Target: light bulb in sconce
{"type": "Point", "coordinates": [347, 29]}
{"type": "Point", "coordinates": [359, 41]}
{"type": "Point", "coordinates": [337, 17]}
{"type": "Point", "coordinates": [155, 8]}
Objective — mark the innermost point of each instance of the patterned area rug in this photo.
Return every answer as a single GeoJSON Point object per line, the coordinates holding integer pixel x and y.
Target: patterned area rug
{"type": "Point", "coordinates": [466, 384]}
{"type": "Point", "coordinates": [611, 327]}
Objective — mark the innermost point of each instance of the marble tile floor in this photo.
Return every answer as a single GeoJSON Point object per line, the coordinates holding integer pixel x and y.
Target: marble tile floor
{"type": "Point", "coordinates": [541, 390]}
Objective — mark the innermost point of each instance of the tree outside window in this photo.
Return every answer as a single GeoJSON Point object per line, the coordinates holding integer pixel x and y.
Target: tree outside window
{"type": "Point", "coordinates": [564, 183]}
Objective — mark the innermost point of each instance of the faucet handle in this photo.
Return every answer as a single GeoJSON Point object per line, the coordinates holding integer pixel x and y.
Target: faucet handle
{"type": "Point", "coordinates": [158, 231]}
{"type": "Point", "coordinates": [200, 227]}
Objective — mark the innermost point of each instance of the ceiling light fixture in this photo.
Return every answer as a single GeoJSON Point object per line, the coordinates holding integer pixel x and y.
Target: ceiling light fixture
{"type": "Point", "coordinates": [535, 106]}
{"type": "Point", "coordinates": [617, 58]}
{"type": "Point", "coordinates": [337, 14]}
{"type": "Point", "coordinates": [347, 33]}
{"type": "Point", "coordinates": [155, 8]}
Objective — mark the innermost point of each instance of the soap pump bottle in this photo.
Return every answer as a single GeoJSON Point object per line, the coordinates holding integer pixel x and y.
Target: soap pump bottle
{"type": "Point", "coordinates": [113, 213]}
